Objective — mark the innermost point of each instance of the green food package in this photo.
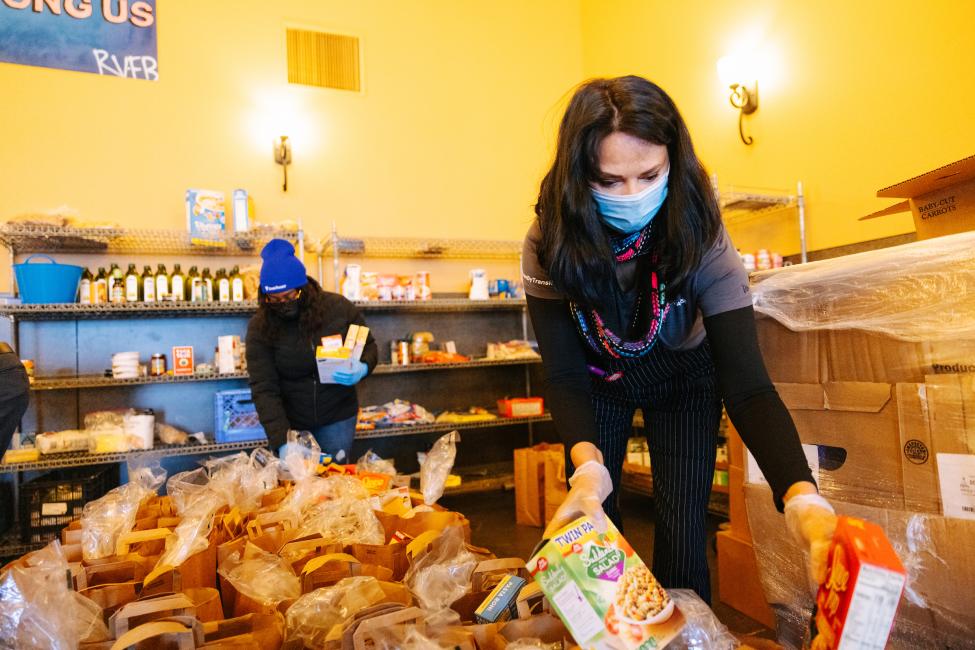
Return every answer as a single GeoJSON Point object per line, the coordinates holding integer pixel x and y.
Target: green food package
{"type": "Point", "coordinates": [603, 591]}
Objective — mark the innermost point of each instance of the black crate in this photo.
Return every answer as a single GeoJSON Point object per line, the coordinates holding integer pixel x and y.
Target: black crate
{"type": "Point", "coordinates": [51, 501]}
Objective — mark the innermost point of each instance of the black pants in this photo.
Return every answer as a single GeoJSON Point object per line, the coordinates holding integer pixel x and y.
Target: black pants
{"type": "Point", "coordinates": [14, 396]}
{"type": "Point", "coordinates": [676, 391]}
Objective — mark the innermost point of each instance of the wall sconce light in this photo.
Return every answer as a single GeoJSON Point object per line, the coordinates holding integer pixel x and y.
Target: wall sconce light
{"type": "Point", "coordinates": [282, 156]}
{"type": "Point", "coordinates": [735, 70]}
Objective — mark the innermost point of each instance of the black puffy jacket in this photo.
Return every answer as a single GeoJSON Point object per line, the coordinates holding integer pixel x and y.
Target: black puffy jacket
{"type": "Point", "coordinates": [284, 375]}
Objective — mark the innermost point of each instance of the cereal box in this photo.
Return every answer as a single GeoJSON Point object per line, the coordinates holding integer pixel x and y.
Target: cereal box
{"type": "Point", "coordinates": [206, 217]}
{"type": "Point", "coordinates": [855, 606]}
{"type": "Point", "coordinates": [603, 591]}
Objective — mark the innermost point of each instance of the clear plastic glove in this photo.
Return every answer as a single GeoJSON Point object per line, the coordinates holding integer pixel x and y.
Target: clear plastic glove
{"type": "Point", "coordinates": [352, 377]}
{"type": "Point", "coordinates": [812, 521]}
{"type": "Point", "coordinates": [589, 486]}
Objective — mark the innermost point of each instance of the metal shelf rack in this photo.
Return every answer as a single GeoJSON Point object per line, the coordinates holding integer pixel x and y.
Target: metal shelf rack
{"type": "Point", "coordinates": [23, 238]}
{"type": "Point", "coordinates": [77, 311]}
{"type": "Point", "coordinates": [446, 427]}
{"type": "Point", "coordinates": [741, 205]}
{"type": "Point", "coordinates": [419, 248]}
{"type": "Point", "coordinates": [97, 381]}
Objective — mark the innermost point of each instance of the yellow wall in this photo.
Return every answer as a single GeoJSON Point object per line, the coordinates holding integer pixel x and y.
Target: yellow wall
{"type": "Point", "coordinates": [860, 94]}
{"type": "Point", "coordinates": [449, 138]}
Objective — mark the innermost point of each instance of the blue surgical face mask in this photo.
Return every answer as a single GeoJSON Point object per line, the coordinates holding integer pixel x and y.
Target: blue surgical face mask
{"type": "Point", "coordinates": [633, 212]}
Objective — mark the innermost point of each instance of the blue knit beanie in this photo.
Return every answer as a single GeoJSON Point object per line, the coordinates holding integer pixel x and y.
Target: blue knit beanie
{"type": "Point", "coordinates": [281, 270]}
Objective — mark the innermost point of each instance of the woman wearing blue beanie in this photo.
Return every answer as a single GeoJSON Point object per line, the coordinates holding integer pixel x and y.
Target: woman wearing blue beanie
{"type": "Point", "coordinates": [293, 314]}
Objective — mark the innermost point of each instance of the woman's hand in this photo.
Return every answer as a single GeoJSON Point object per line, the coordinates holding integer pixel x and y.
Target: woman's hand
{"type": "Point", "coordinates": [812, 521]}
{"type": "Point", "coordinates": [590, 485]}
{"type": "Point", "coordinates": [352, 377]}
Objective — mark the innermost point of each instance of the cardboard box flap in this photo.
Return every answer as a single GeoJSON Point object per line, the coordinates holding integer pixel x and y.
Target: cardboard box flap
{"type": "Point", "coordinates": [855, 396]}
{"type": "Point", "coordinates": [936, 179]}
{"type": "Point", "coordinates": [897, 208]}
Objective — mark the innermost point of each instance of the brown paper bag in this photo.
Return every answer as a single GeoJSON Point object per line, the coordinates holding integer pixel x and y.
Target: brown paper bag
{"type": "Point", "coordinates": [555, 483]}
{"type": "Point", "coordinates": [250, 632]}
{"type": "Point", "coordinates": [530, 483]}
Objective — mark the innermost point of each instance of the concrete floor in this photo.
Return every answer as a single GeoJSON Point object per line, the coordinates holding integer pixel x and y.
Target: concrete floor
{"type": "Point", "coordinates": [493, 526]}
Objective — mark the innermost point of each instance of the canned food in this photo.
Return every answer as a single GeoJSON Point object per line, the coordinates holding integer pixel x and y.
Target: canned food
{"type": "Point", "coordinates": [157, 365]}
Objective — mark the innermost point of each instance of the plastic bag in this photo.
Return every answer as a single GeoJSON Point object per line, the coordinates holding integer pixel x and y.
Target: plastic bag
{"type": "Point", "coordinates": [39, 612]}
{"type": "Point", "coordinates": [443, 575]}
{"type": "Point", "coordinates": [703, 629]}
{"type": "Point", "coordinates": [300, 456]}
{"type": "Point", "coordinates": [112, 515]}
{"type": "Point", "coordinates": [261, 576]}
{"type": "Point", "coordinates": [372, 463]}
{"type": "Point", "coordinates": [436, 467]}
{"type": "Point", "coordinates": [312, 617]}
{"type": "Point", "coordinates": [170, 435]}
{"type": "Point", "coordinates": [345, 520]}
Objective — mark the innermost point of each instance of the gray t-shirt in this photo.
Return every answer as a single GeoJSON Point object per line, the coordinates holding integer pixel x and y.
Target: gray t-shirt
{"type": "Point", "coordinates": [720, 284]}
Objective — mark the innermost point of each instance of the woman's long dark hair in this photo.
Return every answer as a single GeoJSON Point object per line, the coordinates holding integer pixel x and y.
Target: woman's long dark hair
{"type": "Point", "coordinates": [574, 245]}
{"type": "Point", "coordinates": [310, 320]}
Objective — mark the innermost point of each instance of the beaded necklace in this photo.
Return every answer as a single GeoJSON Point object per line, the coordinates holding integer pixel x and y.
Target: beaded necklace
{"type": "Point", "coordinates": [591, 325]}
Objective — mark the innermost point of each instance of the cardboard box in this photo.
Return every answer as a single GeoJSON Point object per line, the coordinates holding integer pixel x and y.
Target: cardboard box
{"type": "Point", "coordinates": [942, 201]}
{"type": "Point", "coordinates": [855, 606]}
{"type": "Point", "coordinates": [502, 603]}
{"type": "Point", "coordinates": [791, 357]}
{"type": "Point", "coordinates": [594, 581]}
{"type": "Point", "coordinates": [918, 468]}
{"type": "Point", "coordinates": [856, 426]}
{"type": "Point", "coordinates": [939, 553]}
{"type": "Point", "coordinates": [737, 516]}
{"type": "Point", "coordinates": [739, 585]}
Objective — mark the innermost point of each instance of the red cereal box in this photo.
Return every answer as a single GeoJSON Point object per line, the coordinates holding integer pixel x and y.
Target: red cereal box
{"type": "Point", "coordinates": [183, 360]}
{"type": "Point", "coordinates": [856, 605]}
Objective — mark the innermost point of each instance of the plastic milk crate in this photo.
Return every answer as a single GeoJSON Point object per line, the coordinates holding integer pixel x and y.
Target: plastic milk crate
{"type": "Point", "coordinates": [235, 417]}
{"type": "Point", "coordinates": [51, 501]}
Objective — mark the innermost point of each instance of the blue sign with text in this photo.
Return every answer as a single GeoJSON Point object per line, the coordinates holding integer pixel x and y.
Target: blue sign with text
{"type": "Point", "coordinates": [107, 37]}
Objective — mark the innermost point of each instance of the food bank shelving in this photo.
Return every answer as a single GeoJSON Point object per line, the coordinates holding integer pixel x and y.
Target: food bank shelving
{"type": "Point", "coordinates": [740, 205]}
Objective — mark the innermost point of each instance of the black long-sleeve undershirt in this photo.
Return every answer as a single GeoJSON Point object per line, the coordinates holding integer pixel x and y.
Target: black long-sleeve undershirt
{"type": "Point", "coordinates": [743, 383]}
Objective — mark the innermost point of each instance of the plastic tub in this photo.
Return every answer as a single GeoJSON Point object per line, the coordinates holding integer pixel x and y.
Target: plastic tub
{"type": "Point", "coordinates": [47, 283]}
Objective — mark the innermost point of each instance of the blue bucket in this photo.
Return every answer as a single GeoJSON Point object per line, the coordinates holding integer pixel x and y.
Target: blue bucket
{"type": "Point", "coordinates": [47, 283]}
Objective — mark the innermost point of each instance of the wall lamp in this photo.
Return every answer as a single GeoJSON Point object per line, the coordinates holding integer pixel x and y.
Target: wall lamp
{"type": "Point", "coordinates": [735, 70]}
{"type": "Point", "coordinates": [282, 156]}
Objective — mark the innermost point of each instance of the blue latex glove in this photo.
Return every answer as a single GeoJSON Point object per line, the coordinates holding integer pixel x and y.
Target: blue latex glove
{"type": "Point", "coordinates": [352, 377]}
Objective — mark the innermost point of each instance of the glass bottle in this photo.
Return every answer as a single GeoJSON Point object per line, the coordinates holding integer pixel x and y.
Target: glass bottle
{"type": "Point", "coordinates": [236, 285]}
{"type": "Point", "coordinates": [162, 284]}
{"type": "Point", "coordinates": [85, 288]}
{"type": "Point", "coordinates": [194, 285]}
{"type": "Point", "coordinates": [100, 296]}
{"type": "Point", "coordinates": [116, 284]}
{"type": "Point", "coordinates": [207, 285]}
{"type": "Point", "coordinates": [148, 285]}
{"type": "Point", "coordinates": [223, 285]}
{"type": "Point", "coordinates": [177, 285]}
{"type": "Point", "coordinates": [132, 282]}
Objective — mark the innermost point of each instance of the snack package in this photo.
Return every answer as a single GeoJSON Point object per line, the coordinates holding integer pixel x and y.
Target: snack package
{"type": "Point", "coordinates": [856, 605]}
{"type": "Point", "coordinates": [603, 591]}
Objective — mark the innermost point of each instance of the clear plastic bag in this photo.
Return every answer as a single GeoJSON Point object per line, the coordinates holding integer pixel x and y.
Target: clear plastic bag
{"type": "Point", "coordinates": [312, 617]}
{"type": "Point", "coordinates": [261, 576]}
{"type": "Point", "coordinates": [112, 515]}
{"type": "Point", "coordinates": [372, 463]}
{"type": "Point", "coordinates": [702, 630]}
{"type": "Point", "coordinates": [39, 612]}
{"type": "Point", "coordinates": [300, 457]}
{"type": "Point", "coordinates": [436, 467]}
{"type": "Point", "coordinates": [348, 519]}
{"type": "Point", "coordinates": [442, 575]}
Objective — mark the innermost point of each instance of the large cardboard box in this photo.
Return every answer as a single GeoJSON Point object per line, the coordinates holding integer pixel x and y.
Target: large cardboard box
{"type": "Point", "coordinates": [942, 201]}
{"type": "Point", "coordinates": [791, 357]}
{"type": "Point", "coordinates": [939, 554]}
{"type": "Point", "coordinates": [855, 426]}
{"type": "Point", "coordinates": [739, 585]}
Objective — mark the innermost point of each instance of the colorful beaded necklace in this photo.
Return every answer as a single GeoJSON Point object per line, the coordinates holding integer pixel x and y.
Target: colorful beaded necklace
{"type": "Point", "coordinates": [591, 325]}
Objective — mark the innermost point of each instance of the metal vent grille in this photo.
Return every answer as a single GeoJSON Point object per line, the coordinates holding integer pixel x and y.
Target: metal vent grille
{"type": "Point", "coordinates": [325, 60]}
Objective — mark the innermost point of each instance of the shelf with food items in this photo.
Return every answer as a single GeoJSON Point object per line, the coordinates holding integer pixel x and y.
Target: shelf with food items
{"type": "Point", "coordinates": [741, 205]}
{"type": "Point", "coordinates": [419, 248]}
{"type": "Point", "coordinates": [68, 234]}
{"type": "Point", "coordinates": [399, 418]}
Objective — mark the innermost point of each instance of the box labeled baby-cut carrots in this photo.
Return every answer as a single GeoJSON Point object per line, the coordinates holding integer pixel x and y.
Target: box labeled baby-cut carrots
{"type": "Point", "coordinates": [603, 591]}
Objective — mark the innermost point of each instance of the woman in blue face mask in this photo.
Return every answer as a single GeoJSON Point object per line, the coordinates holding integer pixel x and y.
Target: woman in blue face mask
{"type": "Point", "coordinates": [293, 315]}
{"type": "Point", "coordinates": [639, 300]}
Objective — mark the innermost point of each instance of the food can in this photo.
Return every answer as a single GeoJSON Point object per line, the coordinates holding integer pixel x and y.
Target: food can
{"type": "Point", "coordinates": [763, 261]}
{"type": "Point", "coordinates": [157, 365]}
